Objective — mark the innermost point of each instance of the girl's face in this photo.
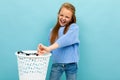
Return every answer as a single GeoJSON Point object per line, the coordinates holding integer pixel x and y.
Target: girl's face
{"type": "Point", "coordinates": [64, 17]}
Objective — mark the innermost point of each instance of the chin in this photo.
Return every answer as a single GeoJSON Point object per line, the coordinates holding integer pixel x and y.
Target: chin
{"type": "Point", "coordinates": [62, 24]}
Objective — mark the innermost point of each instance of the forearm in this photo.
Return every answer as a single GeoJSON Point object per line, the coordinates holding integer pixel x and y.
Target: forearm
{"type": "Point", "coordinates": [53, 46]}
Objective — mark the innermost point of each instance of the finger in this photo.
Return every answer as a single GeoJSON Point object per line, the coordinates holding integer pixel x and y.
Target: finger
{"type": "Point", "coordinates": [40, 48]}
{"type": "Point", "coordinates": [43, 52]}
{"type": "Point", "coordinates": [40, 53]}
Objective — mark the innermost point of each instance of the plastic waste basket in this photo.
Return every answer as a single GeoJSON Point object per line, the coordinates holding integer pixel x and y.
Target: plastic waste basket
{"type": "Point", "coordinates": [31, 66]}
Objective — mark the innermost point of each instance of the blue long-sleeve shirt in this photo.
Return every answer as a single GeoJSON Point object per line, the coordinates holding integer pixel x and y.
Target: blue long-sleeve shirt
{"type": "Point", "coordinates": [68, 45]}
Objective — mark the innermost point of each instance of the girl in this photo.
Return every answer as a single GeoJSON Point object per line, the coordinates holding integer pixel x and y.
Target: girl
{"type": "Point", "coordinates": [64, 44]}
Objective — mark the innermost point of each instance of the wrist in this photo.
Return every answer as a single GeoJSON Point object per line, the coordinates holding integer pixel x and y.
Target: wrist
{"type": "Point", "coordinates": [50, 48]}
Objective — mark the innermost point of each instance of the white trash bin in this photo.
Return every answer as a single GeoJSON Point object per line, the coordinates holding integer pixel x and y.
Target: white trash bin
{"type": "Point", "coordinates": [31, 66]}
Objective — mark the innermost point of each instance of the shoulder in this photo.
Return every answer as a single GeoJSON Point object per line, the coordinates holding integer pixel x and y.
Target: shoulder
{"type": "Point", "coordinates": [74, 26]}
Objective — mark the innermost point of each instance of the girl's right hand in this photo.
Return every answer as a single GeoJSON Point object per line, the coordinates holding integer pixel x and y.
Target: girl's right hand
{"type": "Point", "coordinates": [42, 49]}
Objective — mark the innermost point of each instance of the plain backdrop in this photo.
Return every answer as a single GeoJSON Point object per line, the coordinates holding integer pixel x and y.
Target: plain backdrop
{"type": "Point", "coordinates": [26, 23]}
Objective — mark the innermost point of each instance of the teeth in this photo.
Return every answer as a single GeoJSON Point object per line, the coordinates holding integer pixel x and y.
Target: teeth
{"type": "Point", "coordinates": [62, 21]}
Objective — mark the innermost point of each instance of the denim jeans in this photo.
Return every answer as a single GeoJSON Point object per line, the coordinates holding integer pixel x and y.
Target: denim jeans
{"type": "Point", "coordinates": [70, 70]}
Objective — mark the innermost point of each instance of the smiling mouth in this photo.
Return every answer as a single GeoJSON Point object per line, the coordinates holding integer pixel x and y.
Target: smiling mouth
{"type": "Point", "coordinates": [63, 21]}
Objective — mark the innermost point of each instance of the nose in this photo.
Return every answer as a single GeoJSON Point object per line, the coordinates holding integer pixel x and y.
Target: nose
{"type": "Point", "coordinates": [63, 18]}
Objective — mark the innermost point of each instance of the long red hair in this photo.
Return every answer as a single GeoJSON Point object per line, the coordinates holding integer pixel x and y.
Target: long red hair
{"type": "Point", "coordinates": [54, 32]}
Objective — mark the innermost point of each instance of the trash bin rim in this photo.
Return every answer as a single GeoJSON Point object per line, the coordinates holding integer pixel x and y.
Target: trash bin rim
{"type": "Point", "coordinates": [33, 56]}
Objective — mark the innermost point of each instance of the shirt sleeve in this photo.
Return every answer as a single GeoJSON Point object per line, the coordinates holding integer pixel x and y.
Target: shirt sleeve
{"type": "Point", "coordinates": [70, 38]}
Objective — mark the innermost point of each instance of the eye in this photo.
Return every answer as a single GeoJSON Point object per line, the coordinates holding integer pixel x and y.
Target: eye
{"type": "Point", "coordinates": [67, 17]}
{"type": "Point", "coordinates": [61, 15]}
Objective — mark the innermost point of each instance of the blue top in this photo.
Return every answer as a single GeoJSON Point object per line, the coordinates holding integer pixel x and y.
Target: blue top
{"type": "Point", "coordinates": [68, 45]}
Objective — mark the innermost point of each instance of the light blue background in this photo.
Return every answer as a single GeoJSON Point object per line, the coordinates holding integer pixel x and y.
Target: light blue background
{"type": "Point", "coordinates": [26, 23]}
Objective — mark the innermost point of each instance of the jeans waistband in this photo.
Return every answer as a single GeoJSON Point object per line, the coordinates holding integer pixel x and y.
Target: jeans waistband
{"type": "Point", "coordinates": [64, 63]}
